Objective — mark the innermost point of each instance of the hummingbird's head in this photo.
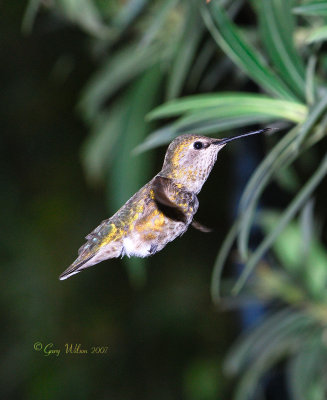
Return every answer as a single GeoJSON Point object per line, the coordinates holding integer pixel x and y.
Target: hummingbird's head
{"type": "Point", "coordinates": [189, 160]}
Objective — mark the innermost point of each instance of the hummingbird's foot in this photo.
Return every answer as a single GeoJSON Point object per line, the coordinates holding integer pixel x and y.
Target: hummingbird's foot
{"type": "Point", "coordinates": [153, 249]}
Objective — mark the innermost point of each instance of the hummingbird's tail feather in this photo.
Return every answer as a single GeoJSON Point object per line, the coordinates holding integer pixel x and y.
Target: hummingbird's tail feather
{"type": "Point", "coordinates": [76, 267]}
{"type": "Point", "coordinates": [105, 241]}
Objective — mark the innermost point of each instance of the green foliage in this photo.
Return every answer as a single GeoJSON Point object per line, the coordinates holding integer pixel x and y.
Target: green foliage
{"type": "Point", "coordinates": [241, 52]}
{"type": "Point", "coordinates": [300, 252]}
{"type": "Point", "coordinates": [277, 27]}
{"type": "Point", "coordinates": [202, 380]}
{"type": "Point", "coordinates": [150, 50]}
{"type": "Point", "coordinates": [208, 114]}
{"type": "Point", "coordinates": [315, 8]}
{"type": "Point", "coordinates": [318, 35]}
{"type": "Point", "coordinates": [296, 333]}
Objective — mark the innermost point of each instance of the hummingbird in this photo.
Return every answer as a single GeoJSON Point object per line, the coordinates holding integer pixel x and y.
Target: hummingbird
{"type": "Point", "coordinates": [161, 210]}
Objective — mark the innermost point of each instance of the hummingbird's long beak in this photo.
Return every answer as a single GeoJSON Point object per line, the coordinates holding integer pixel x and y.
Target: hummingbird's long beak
{"type": "Point", "coordinates": [226, 140]}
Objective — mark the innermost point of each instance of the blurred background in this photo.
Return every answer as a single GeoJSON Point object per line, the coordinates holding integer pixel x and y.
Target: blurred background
{"type": "Point", "coordinates": [91, 94]}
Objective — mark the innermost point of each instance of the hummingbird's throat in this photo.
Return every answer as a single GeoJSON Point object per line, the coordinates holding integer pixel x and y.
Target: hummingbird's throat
{"type": "Point", "coordinates": [192, 174]}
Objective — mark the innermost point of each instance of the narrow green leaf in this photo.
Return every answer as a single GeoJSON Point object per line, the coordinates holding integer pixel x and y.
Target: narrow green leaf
{"type": "Point", "coordinates": [306, 370]}
{"type": "Point", "coordinates": [157, 138]}
{"type": "Point", "coordinates": [222, 102]}
{"type": "Point", "coordinates": [283, 339]}
{"type": "Point", "coordinates": [128, 12]}
{"type": "Point", "coordinates": [315, 114]}
{"type": "Point", "coordinates": [318, 132]}
{"type": "Point", "coordinates": [307, 229]}
{"type": "Point", "coordinates": [310, 86]}
{"type": "Point", "coordinates": [296, 373]}
{"type": "Point", "coordinates": [276, 23]}
{"type": "Point", "coordinates": [275, 351]}
{"type": "Point", "coordinates": [252, 344]}
{"type": "Point", "coordinates": [220, 262]}
{"type": "Point", "coordinates": [268, 108]}
{"type": "Point", "coordinates": [29, 15]}
{"type": "Point", "coordinates": [276, 284]}
{"type": "Point", "coordinates": [86, 15]}
{"type": "Point", "coordinates": [158, 21]}
{"type": "Point", "coordinates": [214, 126]}
{"type": "Point", "coordinates": [287, 178]}
{"type": "Point", "coordinates": [241, 350]}
{"type": "Point", "coordinates": [185, 52]}
{"type": "Point", "coordinates": [280, 155]}
{"type": "Point", "coordinates": [286, 217]}
{"type": "Point", "coordinates": [117, 71]}
{"type": "Point", "coordinates": [315, 8]}
{"type": "Point", "coordinates": [98, 148]}
{"type": "Point", "coordinates": [207, 123]}
{"type": "Point", "coordinates": [300, 252]}
{"type": "Point", "coordinates": [245, 56]}
{"type": "Point", "coordinates": [318, 35]}
{"type": "Point", "coordinates": [208, 127]}
{"type": "Point", "coordinates": [201, 63]}
{"type": "Point", "coordinates": [211, 114]}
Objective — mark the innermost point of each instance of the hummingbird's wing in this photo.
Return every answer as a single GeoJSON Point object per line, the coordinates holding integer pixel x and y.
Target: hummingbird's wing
{"type": "Point", "coordinates": [164, 189]}
{"type": "Point", "coordinates": [197, 225]}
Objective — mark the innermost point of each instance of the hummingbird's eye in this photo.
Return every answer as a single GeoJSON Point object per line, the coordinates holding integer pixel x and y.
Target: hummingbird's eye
{"type": "Point", "coordinates": [198, 145]}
